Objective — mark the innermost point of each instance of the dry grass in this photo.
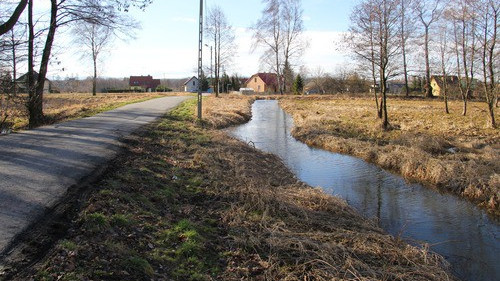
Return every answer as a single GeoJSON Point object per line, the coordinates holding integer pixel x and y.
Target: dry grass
{"type": "Point", "coordinates": [243, 214]}
{"type": "Point", "coordinates": [284, 230]}
{"type": "Point", "coordinates": [227, 110]}
{"type": "Point", "coordinates": [452, 152]}
{"type": "Point", "coordinates": [60, 107]}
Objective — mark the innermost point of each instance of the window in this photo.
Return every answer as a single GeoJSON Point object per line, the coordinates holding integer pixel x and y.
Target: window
{"type": "Point", "coordinates": [258, 88]}
{"type": "Point", "coordinates": [255, 80]}
{"type": "Point", "coordinates": [194, 84]}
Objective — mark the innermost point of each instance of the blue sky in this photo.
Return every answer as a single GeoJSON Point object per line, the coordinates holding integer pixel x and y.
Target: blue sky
{"type": "Point", "coordinates": [166, 45]}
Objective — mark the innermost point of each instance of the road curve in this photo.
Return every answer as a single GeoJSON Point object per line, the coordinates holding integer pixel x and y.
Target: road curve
{"type": "Point", "coordinates": [37, 167]}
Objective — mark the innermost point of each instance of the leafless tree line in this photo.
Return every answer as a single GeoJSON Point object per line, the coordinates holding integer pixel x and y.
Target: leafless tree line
{"type": "Point", "coordinates": [95, 18]}
{"type": "Point", "coordinates": [222, 41]}
{"type": "Point", "coordinates": [454, 37]}
{"type": "Point", "coordinates": [279, 32]}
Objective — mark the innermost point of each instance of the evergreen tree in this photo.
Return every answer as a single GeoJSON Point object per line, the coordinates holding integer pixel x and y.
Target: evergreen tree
{"type": "Point", "coordinates": [225, 83]}
{"type": "Point", "coordinates": [298, 85]}
{"type": "Point", "coordinates": [204, 82]}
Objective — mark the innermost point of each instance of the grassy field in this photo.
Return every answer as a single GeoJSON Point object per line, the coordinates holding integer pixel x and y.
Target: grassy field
{"type": "Point", "coordinates": [60, 107]}
{"type": "Point", "coordinates": [455, 153]}
{"type": "Point", "coordinates": [187, 202]}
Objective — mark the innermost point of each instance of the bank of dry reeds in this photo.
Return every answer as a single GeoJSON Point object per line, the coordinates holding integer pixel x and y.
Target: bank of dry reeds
{"type": "Point", "coordinates": [280, 229]}
{"type": "Point", "coordinates": [454, 153]}
{"type": "Point", "coordinates": [227, 110]}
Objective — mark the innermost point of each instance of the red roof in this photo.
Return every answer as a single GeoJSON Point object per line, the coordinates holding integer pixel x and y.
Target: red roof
{"type": "Point", "coordinates": [144, 82]}
{"type": "Point", "coordinates": [270, 79]}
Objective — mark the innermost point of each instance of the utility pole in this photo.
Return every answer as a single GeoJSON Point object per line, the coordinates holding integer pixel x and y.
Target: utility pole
{"type": "Point", "coordinates": [200, 60]}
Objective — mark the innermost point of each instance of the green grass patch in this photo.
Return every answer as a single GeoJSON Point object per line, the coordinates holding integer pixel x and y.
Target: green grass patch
{"type": "Point", "coordinates": [96, 221]}
{"type": "Point", "coordinates": [120, 220]}
{"type": "Point", "coordinates": [183, 248]}
{"type": "Point", "coordinates": [138, 265]}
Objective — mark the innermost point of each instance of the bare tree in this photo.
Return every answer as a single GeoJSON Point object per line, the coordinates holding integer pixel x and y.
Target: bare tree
{"type": "Point", "coordinates": [221, 33]}
{"type": "Point", "coordinates": [94, 38]}
{"type": "Point", "coordinates": [444, 52]}
{"type": "Point", "coordinates": [279, 31]}
{"type": "Point", "coordinates": [318, 79]}
{"type": "Point", "coordinates": [11, 22]}
{"type": "Point", "coordinates": [268, 34]}
{"type": "Point", "coordinates": [407, 27]}
{"type": "Point", "coordinates": [362, 42]}
{"type": "Point", "coordinates": [428, 12]}
{"type": "Point", "coordinates": [293, 43]}
{"type": "Point", "coordinates": [378, 21]}
{"type": "Point", "coordinates": [464, 28]}
{"type": "Point", "coordinates": [62, 13]}
{"type": "Point", "coordinates": [489, 11]}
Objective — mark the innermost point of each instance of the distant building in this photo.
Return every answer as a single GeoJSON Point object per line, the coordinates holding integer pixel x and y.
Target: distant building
{"type": "Point", "coordinates": [22, 83]}
{"type": "Point", "coordinates": [191, 85]}
{"type": "Point", "coordinates": [437, 84]}
{"type": "Point", "coordinates": [263, 83]}
{"type": "Point", "coordinates": [395, 87]}
{"type": "Point", "coordinates": [144, 83]}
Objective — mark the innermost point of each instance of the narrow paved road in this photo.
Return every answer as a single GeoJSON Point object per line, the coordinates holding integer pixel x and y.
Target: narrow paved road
{"type": "Point", "coordinates": [37, 167]}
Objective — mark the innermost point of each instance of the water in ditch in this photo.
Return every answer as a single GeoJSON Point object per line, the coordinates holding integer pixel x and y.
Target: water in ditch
{"type": "Point", "coordinates": [452, 227]}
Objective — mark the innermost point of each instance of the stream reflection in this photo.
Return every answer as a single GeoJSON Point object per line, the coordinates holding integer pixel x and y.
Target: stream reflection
{"type": "Point", "coordinates": [452, 227]}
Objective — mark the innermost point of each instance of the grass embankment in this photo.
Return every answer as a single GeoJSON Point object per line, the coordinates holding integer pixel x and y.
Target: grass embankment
{"type": "Point", "coordinates": [190, 203]}
{"type": "Point", "coordinates": [61, 107]}
{"type": "Point", "coordinates": [454, 153]}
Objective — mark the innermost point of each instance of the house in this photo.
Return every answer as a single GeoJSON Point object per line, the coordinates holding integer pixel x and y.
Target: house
{"type": "Point", "coordinates": [263, 83]}
{"type": "Point", "coordinates": [437, 84]}
{"type": "Point", "coordinates": [314, 88]}
{"type": "Point", "coordinates": [191, 85]}
{"type": "Point", "coordinates": [395, 87]}
{"type": "Point", "coordinates": [22, 83]}
{"type": "Point", "coordinates": [144, 83]}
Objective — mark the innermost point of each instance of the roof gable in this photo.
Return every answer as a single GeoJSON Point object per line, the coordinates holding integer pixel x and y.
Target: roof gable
{"type": "Point", "coordinates": [270, 79]}
{"type": "Point", "coordinates": [144, 81]}
{"type": "Point", "coordinates": [450, 80]}
{"type": "Point", "coordinates": [190, 79]}
{"type": "Point", "coordinates": [24, 78]}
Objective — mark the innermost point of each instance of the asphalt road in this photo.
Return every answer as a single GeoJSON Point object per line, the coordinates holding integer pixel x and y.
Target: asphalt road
{"type": "Point", "coordinates": [37, 167]}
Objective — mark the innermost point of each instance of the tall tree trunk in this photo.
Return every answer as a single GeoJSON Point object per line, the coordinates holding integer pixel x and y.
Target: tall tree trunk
{"type": "Point", "coordinates": [218, 62]}
{"type": "Point", "coordinates": [466, 91]}
{"type": "Point", "coordinates": [491, 111]}
{"type": "Point", "coordinates": [428, 89]}
{"type": "Point", "coordinates": [94, 80]}
{"type": "Point", "coordinates": [405, 69]}
{"type": "Point", "coordinates": [30, 83]}
{"type": "Point", "coordinates": [374, 76]}
{"type": "Point", "coordinates": [14, 62]}
{"type": "Point", "coordinates": [38, 103]}
{"type": "Point", "coordinates": [403, 47]}
{"type": "Point", "coordinates": [489, 55]}
{"type": "Point", "coordinates": [383, 106]}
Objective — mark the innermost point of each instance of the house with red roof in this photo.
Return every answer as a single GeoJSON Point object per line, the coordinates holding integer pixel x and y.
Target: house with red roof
{"type": "Point", "coordinates": [144, 83]}
{"type": "Point", "coordinates": [263, 83]}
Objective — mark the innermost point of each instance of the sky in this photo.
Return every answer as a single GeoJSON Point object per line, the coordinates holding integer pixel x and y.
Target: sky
{"type": "Point", "coordinates": [166, 45]}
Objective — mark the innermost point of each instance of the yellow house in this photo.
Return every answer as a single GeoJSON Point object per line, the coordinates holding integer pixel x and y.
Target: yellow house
{"type": "Point", "coordinates": [437, 84]}
{"type": "Point", "coordinates": [263, 83]}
